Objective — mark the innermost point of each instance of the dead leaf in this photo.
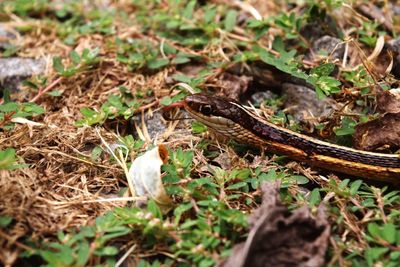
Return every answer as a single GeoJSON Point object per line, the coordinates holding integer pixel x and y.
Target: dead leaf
{"type": "Point", "coordinates": [234, 86]}
{"type": "Point", "coordinates": [388, 101]}
{"type": "Point", "coordinates": [279, 237]}
{"type": "Point", "coordinates": [224, 160]}
{"type": "Point", "coordinates": [379, 134]}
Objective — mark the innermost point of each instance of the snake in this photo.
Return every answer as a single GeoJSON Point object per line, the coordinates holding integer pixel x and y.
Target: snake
{"type": "Point", "coordinates": [235, 121]}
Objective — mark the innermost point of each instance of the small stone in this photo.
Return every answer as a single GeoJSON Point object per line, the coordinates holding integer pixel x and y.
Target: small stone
{"type": "Point", "coordinates": [394, 45]}
{"type": "Point", "coordinates": [5, 36]}
{"type": "Point", "coordinates": [154, 123]}
{"type": "Point", "coordinates": [330, 45]}
{"type": "Point", "coordinates": [303, 104]}
{"type": "Point", "coordinates": [14, 70]}
{"type": "Point", "coordinates": [258, 97]}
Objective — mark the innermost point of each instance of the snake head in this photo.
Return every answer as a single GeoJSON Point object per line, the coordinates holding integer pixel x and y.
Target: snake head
{"type": "Point", "coordinates": [209, 106]}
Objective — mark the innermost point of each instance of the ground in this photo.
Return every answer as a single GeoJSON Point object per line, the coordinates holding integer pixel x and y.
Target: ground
{"type": "Point", "coordinates": [83, 79]}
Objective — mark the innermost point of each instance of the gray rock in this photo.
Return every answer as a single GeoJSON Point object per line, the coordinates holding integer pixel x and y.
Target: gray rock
{"type": "Point", "coordinates": [259, 97]}
{"type": "Point", "coordinates": [155, 124]}
{"type": "Point", "coordinates": [330, 45]}
{"type": "Point", "coordinates": [394, 45]}
{"type": "Point", "coordinates": [5, 36]}
{"type": "Point", "coordinates": [303, 104]}
{"type": "Point", "coordinates": [14, 70]}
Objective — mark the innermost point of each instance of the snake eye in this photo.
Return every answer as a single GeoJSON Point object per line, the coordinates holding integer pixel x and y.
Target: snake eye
{"type": "Point", "coordinates": [206, 109]}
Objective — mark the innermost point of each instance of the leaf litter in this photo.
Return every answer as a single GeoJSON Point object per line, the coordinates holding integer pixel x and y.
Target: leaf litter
{"type": "Point", "coordinates": [279, 237]}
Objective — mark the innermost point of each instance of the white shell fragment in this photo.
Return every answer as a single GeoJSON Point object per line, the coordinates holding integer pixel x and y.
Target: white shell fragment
{"type": "Point", "coordinates": [145, 174]}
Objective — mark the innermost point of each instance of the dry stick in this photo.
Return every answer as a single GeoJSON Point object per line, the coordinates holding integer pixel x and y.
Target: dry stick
{"type": "Point", "coordinates": [119, 161]}
{"type": "Point", "coordinates": [147, 106]}
{"type": "Point", "coordinates": [16, 243]}
{"type": "Point", "coordinates": [48, 88]}
{"type": "Point", "coordinates": [127, 253]}
{"type": "Point", "coordinates": [72, 157]}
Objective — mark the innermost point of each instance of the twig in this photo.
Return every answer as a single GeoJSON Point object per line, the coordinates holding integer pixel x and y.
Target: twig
{"type": "Point", "coordinates": [45, 90]}
{"type": "Point", "coordinates": [18, 244]}
{"type": "Point", "coordinates": [127, 253]}
{"type": "Point", "coordinates": [72, 157]}
{"type": "Point", "coordinates": [147, 106]}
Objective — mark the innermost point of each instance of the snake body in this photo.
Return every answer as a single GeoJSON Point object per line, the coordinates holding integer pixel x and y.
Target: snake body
{"type": "Point", "coordinates": [237, 122]}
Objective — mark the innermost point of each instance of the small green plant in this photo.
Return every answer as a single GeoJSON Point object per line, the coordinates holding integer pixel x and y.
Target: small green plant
{"type": "Point", "coordinates": [368, 33]}
{"type": "Point", "coordinates": [259, 27]}
{"type": "Point", "coordinates": [80, 63]}
{"type": "Point", "coordinates": [347, 127]}
{"type": "Point", "coordinates": [10, 50]}
{"type": "Point", "coordinates": [138, 53]}
{"type": "Point", "coordinates": [318, 77]}
{"type": "Point", "coordinates": [360, 79]}
{"type": "Point", "coordinates": [291, 24]}
{"type": "Point", "coordinates": [81, 247]}
{"type": "Point", "coordinates": [123, 105]}
{"type": "Point", "coordinates": [26, 8]}
{"type": "Point", "coordinates": [5, 221]}
{"type": "Point", "coordinates": [11, 110]}
{"type": "Point", "coordinates": [8, 159]}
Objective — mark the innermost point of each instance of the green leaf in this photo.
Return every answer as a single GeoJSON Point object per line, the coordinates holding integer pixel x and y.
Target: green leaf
{"type": "Point", "coordinates": [30, 84]}
{"type": "Point", "coordinates": [166, 100]}
{"type": "Point", "coordinates": [180, 210]}
{"type": "Point", "coordinates": [154, 209]}
{"type": "Point", "coordinates": [106, 251]}
{"type": "Point", "coordinates": [50, 257]}
{"type": "Point", "coordinates": [282, 64]}
{"type": "Point", "coordinates": [374, 230]}
{"type": "Point", "coordinates": [230, 20]}
{"type": "Point", "coordinates": [188, 11]}
{"type": "Point", "coordinates": [355, 186]}
{"type": "Point", "coordinates": [395, 255]}
{"type": "Point", "coordinates": [83, 253]}
{"type": "Point", "coordinates": [5, 221]}
{"type": "Point", "coordinates": [87, 112]}
{"type": "Point", "coordinates": [209, 14]}
{"type": "Point", "coordinates": [300, 179]}
{"type": "Point", "coordinates": [91, 117]}
{"type": "Point", "coordinates": [373, 254]}
{"type": "Point", "coordinates": [347, 127]}
{"type": "Point", "coordinates": [169, 49]}
{"type": "Point", "coordinates": [76, 59]}
{"type": "Point", "coordinates": [55, 93]}
{"type": "Point", "coordinates": [65, 254]}
{"type": "Point", "coordinates": [389, 233]}
{"type": "Point", "coordinates": [270, 176]}
{"type": "Point", "coordinates": [198, 127]}
{"type": "Point", "coordinates": [180, 60]}
{"type": "Point", "coordinates": [343, 184]}
{"type": "Point", "coordinates": [315, 197]}
{"type": "Point", "coordinates": [236, 186]}
{"type": "Point", "coordinates": [182, 78]}
{"type": "Point", "coordinates": [115, 232]}
{"type": "Point", "coordinates": [96, 152]}
{"type": "Point", "coordinates": [158, 63]}
{"type": "Point", "coordinates": [57, 65]}
{"type": "Point", "coordinates": [7, 158]}
{"type": "Point", "coordinates": [326, 85]}
{"type": "Point", "coordinates": [323, 70]}
{"type": "Point", "coordinates": [9, 107]}
{"type": "Point", "coordinates": [60, 236]}
{"type": "Point", "coordinates": [32, 109]}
